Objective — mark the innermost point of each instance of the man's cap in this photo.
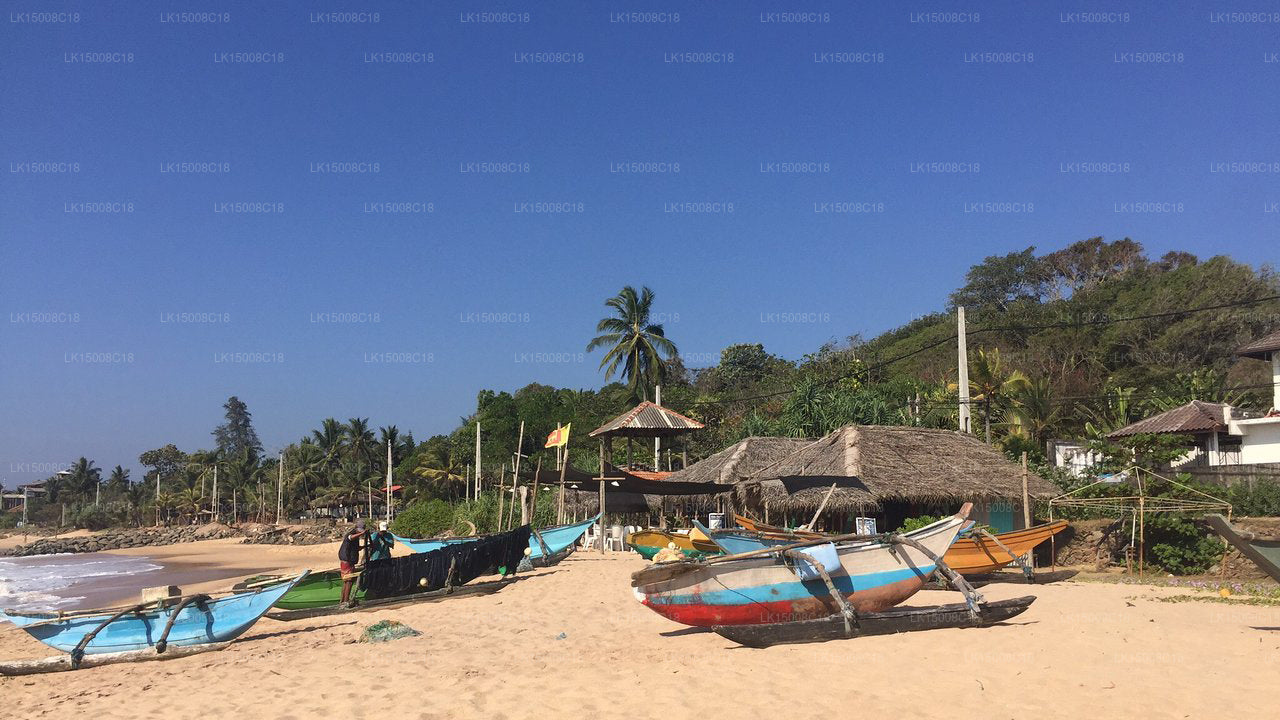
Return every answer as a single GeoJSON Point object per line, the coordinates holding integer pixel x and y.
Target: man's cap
{"type": "Point", "coordinates": [360, 524]}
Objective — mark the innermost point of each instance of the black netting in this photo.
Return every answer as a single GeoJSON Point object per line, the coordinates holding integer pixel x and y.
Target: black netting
{"type": "Point", "coordinates": [406, 575]}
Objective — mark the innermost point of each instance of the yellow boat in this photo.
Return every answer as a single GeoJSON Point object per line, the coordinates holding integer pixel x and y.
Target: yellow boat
{"type": "Point", "coordinates": [692, 543]}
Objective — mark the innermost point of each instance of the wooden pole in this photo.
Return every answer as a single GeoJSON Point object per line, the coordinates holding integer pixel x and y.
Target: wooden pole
{"type": "Point", "coordinates": [524, 506]}
{"type": "Point", "coordinates": [234, 509]}
{"type": "Point", "coordinates": [560, 519]}
{"type": "Point", "coordinates": [821, 507]}
{"type": "Point", "coordinates": [477, 490]}
{"type": "Point", "coordinates": [962, 375]}
{"type": "Point", "coordinates": [501, 489]}
{"type": "Point", "coordinates": [533, 505]}
{"type": "Point", "coordinates": [1026, 494]}
{"type": "Point", "coordinates": [388, 497]}
{"type": "Point", "coordinates": [215, 493]}
{"type": "Point", "coordinates": [511, 512]}
{"type": "Point", "coordinates": [601, 533]}
{"type": "Point", "coordinates": [1142, 533]}
{"type": "Point", "coordinates": [280, 490]}
{"type": "Point", "coordinates": [657, 441]}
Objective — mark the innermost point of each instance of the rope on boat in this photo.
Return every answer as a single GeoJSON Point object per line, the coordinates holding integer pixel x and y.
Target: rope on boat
{"type": "Point", "coordinates": [1026, 569]}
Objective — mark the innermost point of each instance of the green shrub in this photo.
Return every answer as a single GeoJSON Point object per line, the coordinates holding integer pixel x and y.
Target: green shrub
{"type": "Point", "coordinates": [916, 523]}
{"type": "Point", "coordinates": [93, 518]}
{"type": "Point", "coordinates": [1180, 546]}
{"type": "Point", "coordinates": [424, 518]}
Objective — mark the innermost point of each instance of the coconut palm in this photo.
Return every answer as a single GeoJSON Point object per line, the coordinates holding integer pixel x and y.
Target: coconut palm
{"type": "Point", "coordinates": [990, 384]}
{"type": "Point", "coordinates": [633, 342]}
{"type": "Point", "coordinates": [118, 483]}
{"type": "Point", "coordinates": [329, 438]}
{"type": "Point", "coordinates": [1035, 412]}
{"type": "Point", "coordinates": [442, 469]}
{"type": "Point", "coordinates": [360, 441]}
{"type": "Point", "coordinates": [83, 480]}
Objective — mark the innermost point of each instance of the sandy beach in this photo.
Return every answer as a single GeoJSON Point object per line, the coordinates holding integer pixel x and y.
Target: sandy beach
{"type": "Point", "coordinates": [570, 642]}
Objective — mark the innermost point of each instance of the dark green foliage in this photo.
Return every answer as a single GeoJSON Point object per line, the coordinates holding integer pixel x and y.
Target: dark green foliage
{"type": "Point", "coordinates": [423, 519]}
{"type": "Point", "coordinates": [92, 518]}
{"type": "Point", "coordinates": [1259, 498]}
{"type": "Point", "coordinates": [237, 437]}
{"type": "Point", "coordinates": [1180, 546]}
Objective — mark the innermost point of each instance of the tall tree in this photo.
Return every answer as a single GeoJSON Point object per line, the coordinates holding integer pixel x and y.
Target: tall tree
{"type": "Point", "coordinates": [236, 436]}
{"type": "Point", "coordinates": [632, 341]}
{"type": "Point", "coordinates": [329, 438]}
{"type": "Point", "coordinates": [83, 480]}
{"type": "Point", "coordinates": [168, 461]}
{"type": "Point", "coordinates": [990, 384]}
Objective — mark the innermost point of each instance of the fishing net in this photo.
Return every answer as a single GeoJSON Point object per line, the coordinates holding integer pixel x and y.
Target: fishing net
{"type": "Point", "coordinates": [387, 630]}
{"type": "Point", "coordinates": [424, 572]}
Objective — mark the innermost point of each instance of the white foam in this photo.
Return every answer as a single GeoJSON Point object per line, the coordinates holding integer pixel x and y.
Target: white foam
{"type": "Point", "coordinates": [47, 582]}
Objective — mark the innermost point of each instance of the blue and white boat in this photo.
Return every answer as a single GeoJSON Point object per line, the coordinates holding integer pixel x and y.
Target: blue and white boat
{"type": "Point", "coordinates": [557, 539]}
{"type": "Point", "coordinates": [180, 623]}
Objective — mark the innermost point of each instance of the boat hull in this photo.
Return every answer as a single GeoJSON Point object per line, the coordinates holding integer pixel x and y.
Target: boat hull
{"type": "Point", "coordinates": [558, 539]}
{"type": "Point", "coordinates": [977, 555]}
{"type": "Point", "coordinates": [1264, 552]}
{"type": "Point", "coordinates": [968, 555]}
{"type": "Point", "coordinates": [650, 542]}
{"type": "Point", "coordinates": [767, 589]}
{"type": "Point", "coordinates": [220, 620]}
{"type": "Point", "coordinates": [896, 620]}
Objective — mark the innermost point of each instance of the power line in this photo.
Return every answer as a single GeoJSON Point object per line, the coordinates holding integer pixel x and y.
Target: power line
{"type": "Point", "coordinates": [1007, 328]}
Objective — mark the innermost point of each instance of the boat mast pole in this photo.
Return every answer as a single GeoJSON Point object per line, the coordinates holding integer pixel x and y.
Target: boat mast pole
{"type": "Point", "coordinates": [280, 489]}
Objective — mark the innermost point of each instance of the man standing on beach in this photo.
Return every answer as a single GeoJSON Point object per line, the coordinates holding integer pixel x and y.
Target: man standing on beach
{"type": "Point", "coordinates": [381, 542]}
{"type": "Point", "coordinates": [350, 552]}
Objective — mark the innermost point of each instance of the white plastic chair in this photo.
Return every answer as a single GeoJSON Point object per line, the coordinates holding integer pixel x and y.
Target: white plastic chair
{"type": "Point", "coordinates": [614, 539]}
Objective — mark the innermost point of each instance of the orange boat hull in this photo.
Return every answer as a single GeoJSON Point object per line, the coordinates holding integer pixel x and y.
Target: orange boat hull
{"type": "Point", "coordinates": [977, 555]}
{"type": "Point", "coordinates": [967, 556]}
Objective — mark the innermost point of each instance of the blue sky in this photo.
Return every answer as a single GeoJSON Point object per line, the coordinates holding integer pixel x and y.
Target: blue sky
{"type": "Point", "coordinates": [292, 224]}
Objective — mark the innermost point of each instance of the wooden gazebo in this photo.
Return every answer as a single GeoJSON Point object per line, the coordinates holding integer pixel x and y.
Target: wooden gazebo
{"type": "Point", "coordinates": [646, 420]}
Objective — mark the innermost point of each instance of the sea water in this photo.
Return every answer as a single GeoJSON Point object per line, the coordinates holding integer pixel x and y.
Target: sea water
{"type": "Point", "coordinates": [54, 582]}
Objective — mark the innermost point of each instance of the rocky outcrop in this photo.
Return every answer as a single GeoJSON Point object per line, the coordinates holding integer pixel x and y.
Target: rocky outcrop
{"type": "Point", "coordinates": [119, 539]}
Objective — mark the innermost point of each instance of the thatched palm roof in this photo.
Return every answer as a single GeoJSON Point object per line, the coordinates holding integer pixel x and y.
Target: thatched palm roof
{"type": "Point", "coordinates": [739, 460]}
{"type": "Point", "coordinates": [647, 420]}
{"type": "Point", "coordinates": [872, 464]}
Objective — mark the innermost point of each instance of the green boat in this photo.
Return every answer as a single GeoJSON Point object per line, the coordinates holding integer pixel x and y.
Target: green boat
{"type": "Point", "coordinates": [319, 589]}
{"type": "Point", "coordinates": [650, 542]}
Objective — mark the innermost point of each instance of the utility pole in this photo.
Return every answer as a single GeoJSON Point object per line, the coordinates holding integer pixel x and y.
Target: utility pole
{"type": "Point", "coordinates": [157, 497]}
{"type": "Point", "coordinates": [215, 493]}
{"type": "Point", "coordinates": [963, 366]}
{"type": "Point", "coordinates": [477, 490]}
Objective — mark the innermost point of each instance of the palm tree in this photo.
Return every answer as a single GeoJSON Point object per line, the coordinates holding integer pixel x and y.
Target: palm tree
{"type": "Point", "coordinates": [329, 439]}
{"type": "Point", "coordinates": [1116, 409]}
{"type": "Point", "coordinates": [83, 480]}
{"type": "Point", "coordinates": [1035, 411]}
{"type": "Point", "coordinates": [118, 483]}
{"type": "Point", "coordinates": [442, 469]}
{"type": "Point", "coordinates": [990, 384]}
{"type": "Point", "coordinates": [634, 343]}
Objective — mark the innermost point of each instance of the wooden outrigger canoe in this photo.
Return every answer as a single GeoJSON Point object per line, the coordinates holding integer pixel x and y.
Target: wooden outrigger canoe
{"type": "Point", "coordinates": [861, 574]}
{"type": "Point", "coordinates": [977, 555]}
{"type": "Point", "coordinates": [894, 620]}
{"type": "Point", "coordinates": [651, 541]}
{"type": "Point", "coordinates": [974, 555]}
{"type": "Point", "coordinates": [1264, 552]}
{"type": "Point", "coordinates": [133, 633]}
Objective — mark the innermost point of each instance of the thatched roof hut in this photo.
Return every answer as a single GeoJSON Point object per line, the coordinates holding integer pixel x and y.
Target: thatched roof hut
{"type": "Point", "coordinates": [875, 466]}
{"type": "Point", "coordinates": [740, 460]}
{"type": "Point", "coordinates": [726, 467]}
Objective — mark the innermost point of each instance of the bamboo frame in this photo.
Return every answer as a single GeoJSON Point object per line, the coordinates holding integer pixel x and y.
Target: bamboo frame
{"type": "Point", "coordinates": [1139, 505]}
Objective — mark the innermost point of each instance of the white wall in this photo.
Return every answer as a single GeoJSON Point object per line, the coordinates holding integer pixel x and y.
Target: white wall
{"type": "Point", "coordinates": [1261, 443]}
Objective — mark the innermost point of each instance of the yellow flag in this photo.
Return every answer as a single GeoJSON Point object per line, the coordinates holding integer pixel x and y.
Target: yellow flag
{"type": "Point", "coordinates": [558, 437]}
